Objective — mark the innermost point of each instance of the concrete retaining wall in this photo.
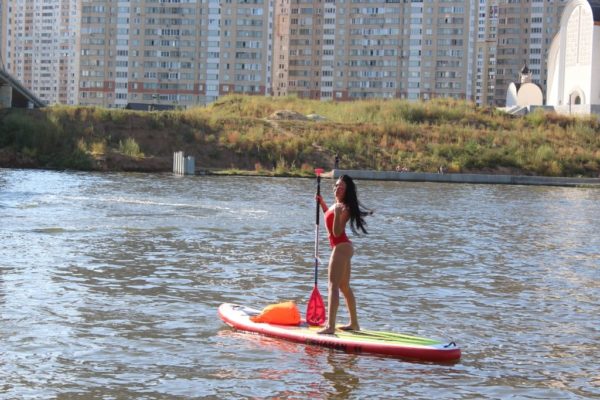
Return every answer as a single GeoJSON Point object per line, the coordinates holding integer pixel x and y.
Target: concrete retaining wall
{"type": "Point", "coordinates": [466, 178]}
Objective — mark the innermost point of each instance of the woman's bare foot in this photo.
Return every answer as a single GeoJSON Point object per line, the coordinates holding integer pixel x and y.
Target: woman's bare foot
{"type": "Point", "coordinates": [349, 327]}
{"type": "Point", "coordinates": [326, 331]}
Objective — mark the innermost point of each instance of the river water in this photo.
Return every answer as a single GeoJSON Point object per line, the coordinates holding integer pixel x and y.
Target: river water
{"type": "Point", "coordinates": [110, 283]}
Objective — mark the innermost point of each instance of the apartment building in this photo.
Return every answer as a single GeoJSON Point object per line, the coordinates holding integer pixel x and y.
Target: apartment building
{"type": "Point", "coordinates": [353, 49]}
{"type": "Point", "coordinates": [346, 50]}
{"type": "Point", "coordinates": [174, 52]}
{"type": "Point", "coordinates": [484, 78]}
{"type": "Point", "coordinates": [39, 46]}
{"type": "Point", "coordinates": [281, 47]}
{"type": "Point", "coordinates": [187, 52]}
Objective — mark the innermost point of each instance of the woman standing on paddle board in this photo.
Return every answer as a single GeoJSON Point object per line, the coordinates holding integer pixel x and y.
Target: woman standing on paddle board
{"type": "Point", "coordinates": [346, 208]}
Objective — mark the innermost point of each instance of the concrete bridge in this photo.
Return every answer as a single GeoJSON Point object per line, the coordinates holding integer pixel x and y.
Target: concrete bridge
{"type": "Point", "coordinates": [14, 95]}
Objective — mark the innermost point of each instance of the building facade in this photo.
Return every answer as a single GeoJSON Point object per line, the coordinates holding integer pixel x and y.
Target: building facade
{"type": "Point", "coordinates": [347, 49]}
{"type": "Point", "coordinates": [281, 47]}
{"type": "Point", "coordinates": [484, 78]}
{"type": "Point", "coordinates": [352, 49]}
{"type": "Point", "coordinates": [174, 52]}
{"type": "Point", "coordinates": [187, 52]}
{"type": "Point", "coordinates": [39, 46]}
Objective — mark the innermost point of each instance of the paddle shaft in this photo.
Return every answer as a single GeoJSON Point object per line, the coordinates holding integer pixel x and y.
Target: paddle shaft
{"type": "Point", "coordinates": [315, 309]}
{"type": "Point", "coordinates": [317, 229]}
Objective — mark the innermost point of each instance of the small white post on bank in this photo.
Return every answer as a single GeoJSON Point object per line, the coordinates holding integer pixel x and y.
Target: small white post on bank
{"type": "Point", "coordinates": [190, 166]}
{"type": "Point", "coordinates": [183, 165]}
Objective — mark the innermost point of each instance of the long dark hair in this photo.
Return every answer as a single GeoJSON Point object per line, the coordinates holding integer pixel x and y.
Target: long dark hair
{"type": "Point", "coordinates": [356, 209]}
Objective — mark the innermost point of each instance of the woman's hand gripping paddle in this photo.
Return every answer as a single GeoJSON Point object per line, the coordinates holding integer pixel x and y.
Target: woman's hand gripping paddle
{"type": "Point", "coordinates": [315, 311]}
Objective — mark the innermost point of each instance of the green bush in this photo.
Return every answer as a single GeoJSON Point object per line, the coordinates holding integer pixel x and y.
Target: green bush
{"type": "Point", "coordinates": [130, 148]}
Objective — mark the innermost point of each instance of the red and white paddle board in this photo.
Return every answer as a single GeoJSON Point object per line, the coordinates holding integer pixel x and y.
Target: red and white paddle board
{"type": "Point", "coordinates": [364, 341]}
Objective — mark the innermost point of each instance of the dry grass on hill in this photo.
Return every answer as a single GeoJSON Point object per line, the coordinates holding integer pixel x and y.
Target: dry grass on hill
{"type": "Point", "coordinates": [293, 135]}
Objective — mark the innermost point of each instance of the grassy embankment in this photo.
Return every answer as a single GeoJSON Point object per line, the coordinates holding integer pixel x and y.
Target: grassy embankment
{"type": "Point", "coordinates": [237, 134]}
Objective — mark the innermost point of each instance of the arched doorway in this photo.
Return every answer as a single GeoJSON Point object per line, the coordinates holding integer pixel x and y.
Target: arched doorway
{"type": "Point", "coordinates": [576, 97]}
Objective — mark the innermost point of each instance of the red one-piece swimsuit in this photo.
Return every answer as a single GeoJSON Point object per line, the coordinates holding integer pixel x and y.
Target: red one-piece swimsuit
{"type": "Point", "coordinates": [334, 240]}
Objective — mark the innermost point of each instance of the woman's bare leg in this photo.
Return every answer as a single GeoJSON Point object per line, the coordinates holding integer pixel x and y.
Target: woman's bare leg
{"type": "Point", "coordinates": [350, 301]}
{"type": "Point", "coordinates": [339, 263]}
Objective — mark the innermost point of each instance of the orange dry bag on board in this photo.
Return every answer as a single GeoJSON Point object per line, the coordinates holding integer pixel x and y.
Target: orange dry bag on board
{"type": "Point", "coordinates": [281, 314]}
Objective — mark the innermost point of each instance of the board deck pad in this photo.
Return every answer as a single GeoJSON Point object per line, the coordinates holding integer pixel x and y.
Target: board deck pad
{"type": "Point", "coordinates": [363, 341]}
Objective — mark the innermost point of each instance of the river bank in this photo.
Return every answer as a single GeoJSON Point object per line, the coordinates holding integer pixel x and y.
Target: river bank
{"type": "Point", "coordinates": [290, 137]}
{"type": "Point", "coordinates": [371, 175]}
{"type": "Point", "coordinates": [468, 178]}
{"type": "Point", "coordinates": [472, 178]}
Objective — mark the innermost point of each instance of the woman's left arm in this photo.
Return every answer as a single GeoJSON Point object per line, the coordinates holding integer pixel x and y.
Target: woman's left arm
{"type": "Point", "coordinates": [341, 215]}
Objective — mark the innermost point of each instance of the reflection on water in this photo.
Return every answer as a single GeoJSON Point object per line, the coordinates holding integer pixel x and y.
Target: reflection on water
{"type": "Point", "coordinates": [342, 382]}
{"type": "Point", "coordinates": [109, 285]}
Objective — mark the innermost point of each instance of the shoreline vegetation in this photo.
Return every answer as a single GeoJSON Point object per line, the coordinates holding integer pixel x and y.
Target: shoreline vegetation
{"type": "Point", "coordinates": [256, 135]}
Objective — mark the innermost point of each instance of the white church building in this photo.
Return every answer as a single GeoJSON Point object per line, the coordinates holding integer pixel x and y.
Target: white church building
{"type": "Point", "coordinates": [573, 85]}
{"type": "Point", "coordinates": [524, 93]}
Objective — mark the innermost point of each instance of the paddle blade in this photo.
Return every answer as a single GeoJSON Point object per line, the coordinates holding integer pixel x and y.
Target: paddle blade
{"type": "Point", "coordinates": [315, 311]}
